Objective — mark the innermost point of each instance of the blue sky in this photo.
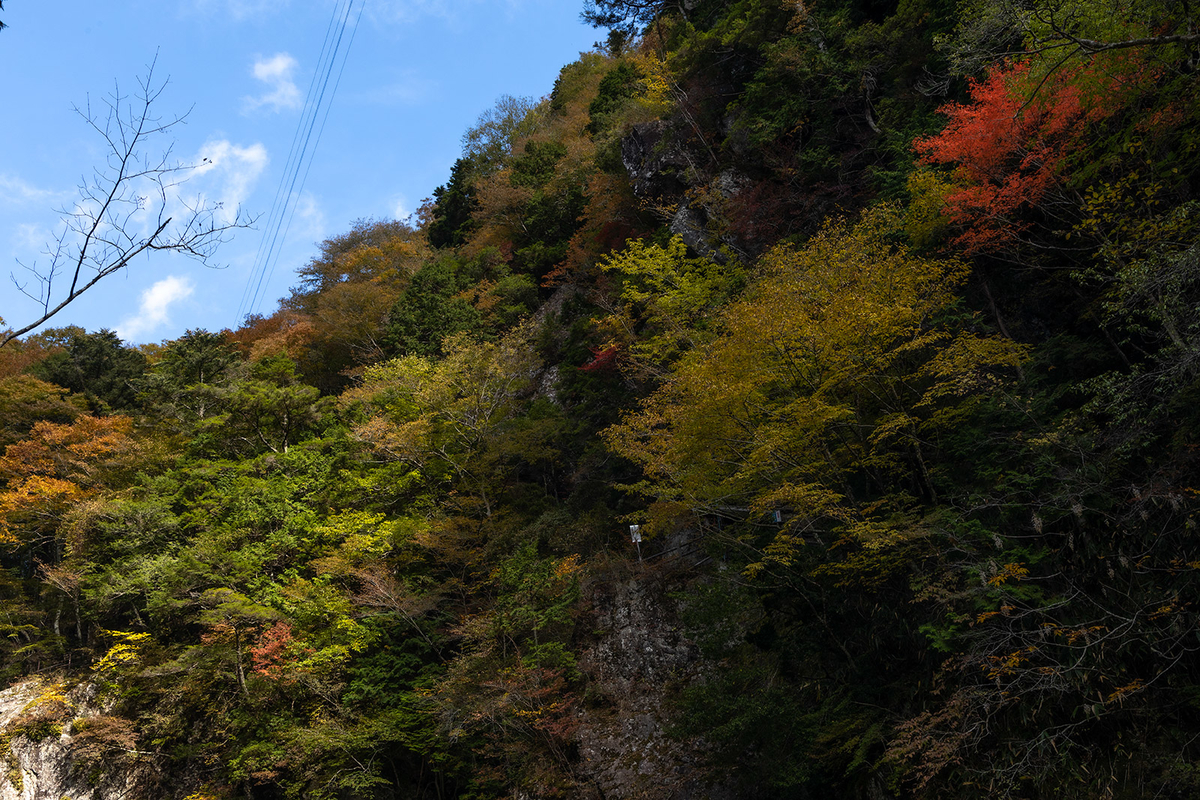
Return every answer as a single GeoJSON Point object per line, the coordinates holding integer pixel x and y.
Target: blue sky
{"type": "Point", "coordinates": [419, 73]}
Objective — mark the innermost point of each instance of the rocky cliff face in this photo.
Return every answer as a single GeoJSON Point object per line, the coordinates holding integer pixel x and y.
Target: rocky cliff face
{"type": "Point", "coordinates": [56, 743]}
{"type": "Point", "coordinates": [660, 167]}
{"type": "Point", "coordinates": [624, 747]}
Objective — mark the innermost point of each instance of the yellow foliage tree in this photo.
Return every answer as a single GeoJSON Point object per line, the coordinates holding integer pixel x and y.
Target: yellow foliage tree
{"type": "Point", "coordinates": [825, 391]}
{"type": "Point", "coordinates": [666, 301]}
{"type": "Point", "coordinates": [449, 416]}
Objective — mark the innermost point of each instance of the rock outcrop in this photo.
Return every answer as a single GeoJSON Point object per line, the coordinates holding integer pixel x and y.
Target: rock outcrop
{"type": "Point", "coordinates": [661, 168]}
{"type": "Point", "coordinates": [656, 163]}
{"type": "Point", "coordinates": [624, 748]}
{"type": "Point", "coordinates": [57, 743]}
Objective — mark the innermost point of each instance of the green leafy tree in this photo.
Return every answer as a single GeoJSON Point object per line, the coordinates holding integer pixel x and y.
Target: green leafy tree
{"type": "Point", "coordinates": [621, 83]}
{"type": "Point", "coordinates": [668, 301]}
{"type": "Point", "coordinates": [449, 417]}
{"type": "Point", "coordinates": [430, 310]}
{"type": "Point", "coordinates": [626, 15]}
{"type": "Point", "coordinates": [453, 205]}
{"type": "Point", "coordinates": [1058, 31]}
{"type": "Point", "coordinates": [535, 598]}
{"type": "Point", "coordinates": [230, 616]}
{"type": "Point", "coordinates": [183, 384]}
{"type": "Point", "coordinates": [270, 408]}
{"type": "Point", "coordinates": [489, 143]}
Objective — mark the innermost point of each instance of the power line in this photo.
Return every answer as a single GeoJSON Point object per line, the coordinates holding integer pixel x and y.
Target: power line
{"type": "Point", "coordinates": [271, 269]}
{"type": "Point", "coordinates": [285, 194]}
{"type": "Point", "coordinates": [275, 233]}
{"type": "Point", "coordinates": [290, 197]}
{"type": "Point", "coordinates": [271, 227]}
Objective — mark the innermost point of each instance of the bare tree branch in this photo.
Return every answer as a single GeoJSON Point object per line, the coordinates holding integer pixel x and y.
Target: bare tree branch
{"type": "Point", "coordinates": [998, 29]}
{"type": "Point", "coordinates": [129, 206]}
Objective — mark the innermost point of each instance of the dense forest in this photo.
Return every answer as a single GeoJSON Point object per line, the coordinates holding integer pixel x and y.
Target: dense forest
{"type": "Point", "coordinates": [879, 319]}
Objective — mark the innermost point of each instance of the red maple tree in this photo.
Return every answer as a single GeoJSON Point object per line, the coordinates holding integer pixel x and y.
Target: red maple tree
{"type": "Point", "coordinates": [1011, 147]}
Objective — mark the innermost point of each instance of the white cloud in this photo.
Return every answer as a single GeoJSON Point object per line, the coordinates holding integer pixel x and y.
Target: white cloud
{"type": "Point", "coordinates": [227, 174]}
{"type": "Point", "coordinates": [17, 191]}
{"type": "Point", "coordinates": [220, 178]}
{"type": "Point", "coordinates": [308, 221]}
{"type": "Point", "coordinates": [409, 88]}
{"type": "Point", "coordinates": [277, 73]}
{"type": "Point", "coordinates": [400, 207]}
{"type": "Point", "coordinates": [31, 236]}
{"type": "Point", "coordinates": [240, 9]}
{"type": "Point", "coordinates": [155, 306]}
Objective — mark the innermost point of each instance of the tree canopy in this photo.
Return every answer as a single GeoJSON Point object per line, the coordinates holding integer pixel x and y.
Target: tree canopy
{"type": "Point", "coordinates": [800, 401]}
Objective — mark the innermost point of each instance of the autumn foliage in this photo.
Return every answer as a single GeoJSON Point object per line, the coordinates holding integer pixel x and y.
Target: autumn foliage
{"type": "Point", "coordinates": [1012, 149]}
{"type": "Point", "coordinates": [57, 466]}
{"type": "Point", "coordinates": [741, 419]}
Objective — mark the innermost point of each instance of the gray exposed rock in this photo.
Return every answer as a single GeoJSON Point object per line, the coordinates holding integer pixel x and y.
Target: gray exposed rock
{"type": "Point", "coordinates": [548, 383]}
{"type": "Point", "coordinates": [657, 166]}
{"type": "Point", "coordinates": [47, 769]}
{"type": "Point", "coordinates": [731, 182]}
{"type": "Point", "coordinates": [689, 225]}
{"type": "Point", "coordinates": [624, 749]}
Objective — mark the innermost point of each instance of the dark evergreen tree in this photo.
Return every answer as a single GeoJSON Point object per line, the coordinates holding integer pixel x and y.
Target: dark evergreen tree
{"type": "Point", "coordinates": [536, 166]}
{"type": "Point", "coordinates": [98, 366]}
{"type": "Point", "coordinates": [617, 86]}
{"type": "Point", "coordinates": [181, 384]}
{"type": "Point", "coordinates": [628, 15]}
{"type": "Point", "coordinates": [453, 206]}
{"type": "Point", "coordinates": [427, 312]}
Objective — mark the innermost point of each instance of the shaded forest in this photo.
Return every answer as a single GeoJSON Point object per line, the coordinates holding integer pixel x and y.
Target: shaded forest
{"type": "Point", "coordinates": [880, 319]}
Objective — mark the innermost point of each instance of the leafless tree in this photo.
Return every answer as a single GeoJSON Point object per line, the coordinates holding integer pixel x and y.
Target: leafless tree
{"type": "Point", "coordinates": [131, 205]}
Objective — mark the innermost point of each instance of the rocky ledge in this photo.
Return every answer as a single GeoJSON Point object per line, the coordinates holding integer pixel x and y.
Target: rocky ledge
{"type": "Point", "coordinates": [56, 743]}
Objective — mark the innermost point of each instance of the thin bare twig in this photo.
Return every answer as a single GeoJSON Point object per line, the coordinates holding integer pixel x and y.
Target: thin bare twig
{"type": "Point", "coordinates": [129, 206]}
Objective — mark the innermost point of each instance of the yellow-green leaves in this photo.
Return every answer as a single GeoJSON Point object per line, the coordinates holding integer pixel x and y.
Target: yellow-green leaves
{"type": "Point", "coordinates": [124, 654]}
{"type": "Point", "coordinates": [671, 295]}
{"type": "Point", "coordinates": [830, 378]}
{"type": "Point", "coordinates": [449, 416]}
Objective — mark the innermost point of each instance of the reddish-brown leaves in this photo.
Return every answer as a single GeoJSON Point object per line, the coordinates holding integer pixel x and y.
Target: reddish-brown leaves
{"type": "Point", "coordinates": [1011, 147]}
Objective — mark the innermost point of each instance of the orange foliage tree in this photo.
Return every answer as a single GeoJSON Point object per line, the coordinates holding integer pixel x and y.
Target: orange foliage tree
{"type": "Point", "coordinates": [1012, 148]}
{"type": "Point", "coordinates": [55, 468]}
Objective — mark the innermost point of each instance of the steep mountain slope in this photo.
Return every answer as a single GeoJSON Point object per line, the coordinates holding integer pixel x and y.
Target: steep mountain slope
{"type": "Point", "coordinates": [800, 400]}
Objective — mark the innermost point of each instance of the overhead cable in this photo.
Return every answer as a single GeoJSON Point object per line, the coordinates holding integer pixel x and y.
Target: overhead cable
{"type": "Point", "coordinates": [304, 146]}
